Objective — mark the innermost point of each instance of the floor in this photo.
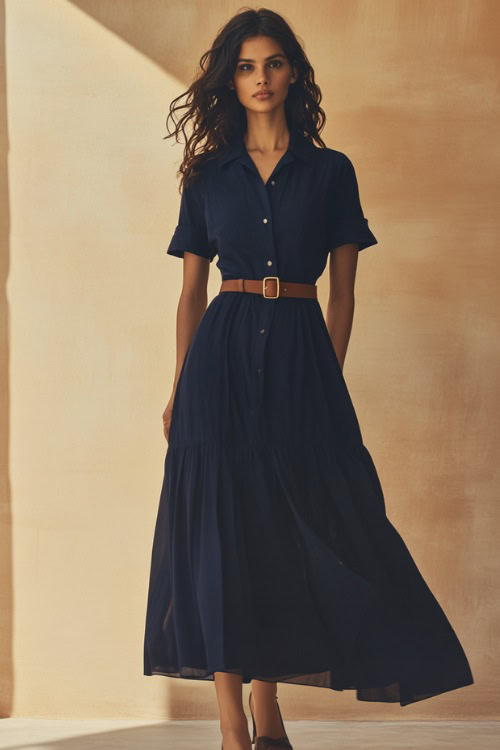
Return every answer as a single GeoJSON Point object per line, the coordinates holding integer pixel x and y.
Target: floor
{"type": "Point", "coordinates": [56, 734]}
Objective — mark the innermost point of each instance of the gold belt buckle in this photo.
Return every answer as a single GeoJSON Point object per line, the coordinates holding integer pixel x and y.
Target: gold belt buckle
{"type": "Point", "coordinates": [270, 296]}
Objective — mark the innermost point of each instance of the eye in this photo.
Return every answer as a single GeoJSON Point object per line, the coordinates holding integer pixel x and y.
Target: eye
{"type": "Point", "coordinates": [274, 63]}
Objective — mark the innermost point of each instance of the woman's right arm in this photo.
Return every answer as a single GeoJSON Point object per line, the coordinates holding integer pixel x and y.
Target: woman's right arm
{"type": "Point", "coordinates": [190, 309]}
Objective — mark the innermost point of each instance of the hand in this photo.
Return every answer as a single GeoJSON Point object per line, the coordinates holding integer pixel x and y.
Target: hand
{"type": "Point", "coordinates": [167, 416]}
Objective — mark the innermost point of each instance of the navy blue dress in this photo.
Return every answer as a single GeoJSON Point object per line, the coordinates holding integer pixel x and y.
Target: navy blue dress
{"type": "Point", "coordinates": [272, 555]}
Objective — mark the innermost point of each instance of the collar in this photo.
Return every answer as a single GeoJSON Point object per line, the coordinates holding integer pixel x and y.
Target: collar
{"type": "Point", "coordinates": [298, 144]}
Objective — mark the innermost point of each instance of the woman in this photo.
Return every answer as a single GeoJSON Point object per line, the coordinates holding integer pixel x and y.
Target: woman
{"type": "Point", "coordinates": [273, 559]}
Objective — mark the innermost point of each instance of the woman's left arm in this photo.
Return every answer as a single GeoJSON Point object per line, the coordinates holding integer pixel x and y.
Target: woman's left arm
{"type": "Point", "coordinates": [340, 307]}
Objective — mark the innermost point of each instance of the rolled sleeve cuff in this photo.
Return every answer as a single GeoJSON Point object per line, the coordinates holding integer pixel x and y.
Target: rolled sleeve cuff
{"type": "Point", "coordinates": [361, 233]}
{"type": "Point", "coordinates": [190, 239]}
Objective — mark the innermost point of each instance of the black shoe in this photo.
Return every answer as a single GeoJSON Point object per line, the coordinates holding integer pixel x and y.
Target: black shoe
{"type": "Point", "coordinates": [264, 743]}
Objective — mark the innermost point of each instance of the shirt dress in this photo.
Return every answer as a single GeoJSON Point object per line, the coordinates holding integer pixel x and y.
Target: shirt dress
{"type": "Point", "coordinates": [273, 556]}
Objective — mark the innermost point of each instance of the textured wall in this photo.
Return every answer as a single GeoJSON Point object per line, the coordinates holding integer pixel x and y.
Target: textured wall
{"type": "Point", "coordinates": [88, 325]}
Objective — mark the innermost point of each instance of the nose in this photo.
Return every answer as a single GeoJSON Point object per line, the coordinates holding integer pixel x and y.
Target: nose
{"type": "Point", "coordinates": [262, 77]}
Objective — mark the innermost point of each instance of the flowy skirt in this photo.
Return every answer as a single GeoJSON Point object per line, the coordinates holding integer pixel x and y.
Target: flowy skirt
{"type": "Point", "coordinates": [273, 556]}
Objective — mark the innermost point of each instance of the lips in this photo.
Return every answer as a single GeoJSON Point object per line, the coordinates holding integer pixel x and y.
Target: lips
{"type": "Point", "coordinates": [263, 95]}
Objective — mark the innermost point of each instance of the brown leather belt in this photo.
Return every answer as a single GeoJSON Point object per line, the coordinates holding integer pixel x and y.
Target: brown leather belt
{"type": "Point", "coordinates": [271, 287]}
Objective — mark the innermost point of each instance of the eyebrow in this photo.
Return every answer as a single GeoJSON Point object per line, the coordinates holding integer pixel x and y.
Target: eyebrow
{"type": "Point", "coordinates": [248, 59]}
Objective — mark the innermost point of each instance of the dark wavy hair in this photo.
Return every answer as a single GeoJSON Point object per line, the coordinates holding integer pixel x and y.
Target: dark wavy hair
{"type": "Point", "coordinates": [214, 108]}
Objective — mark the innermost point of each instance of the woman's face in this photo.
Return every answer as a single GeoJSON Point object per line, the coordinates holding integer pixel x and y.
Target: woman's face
{"type": "Point", "coordinates": [262, 66]}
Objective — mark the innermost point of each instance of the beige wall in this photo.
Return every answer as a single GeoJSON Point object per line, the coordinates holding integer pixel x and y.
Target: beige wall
{"type": "Point", "coordinates": [88, 326]}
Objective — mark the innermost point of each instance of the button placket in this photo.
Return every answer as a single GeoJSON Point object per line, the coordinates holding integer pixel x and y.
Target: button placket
{"type": "Point", "coordinates": [265, 306]}
{"type": "Point", "coordinates": [266, 310]}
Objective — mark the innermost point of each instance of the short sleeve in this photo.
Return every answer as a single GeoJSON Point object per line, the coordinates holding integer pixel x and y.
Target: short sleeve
{"type": "Point", "coordinates": [191, 231]}
{"type": "Point", "coordinates": [346, 220]}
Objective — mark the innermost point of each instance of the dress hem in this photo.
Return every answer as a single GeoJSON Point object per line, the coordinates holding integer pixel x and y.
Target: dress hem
{"type": "Point", "coordinates": [293, 681]}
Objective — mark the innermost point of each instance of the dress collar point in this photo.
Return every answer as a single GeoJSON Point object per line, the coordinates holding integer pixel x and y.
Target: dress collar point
{"type": "Point", "coordinates": [298, 144]}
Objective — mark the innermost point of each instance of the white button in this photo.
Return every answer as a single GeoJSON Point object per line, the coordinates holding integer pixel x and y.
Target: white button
{"type": "Point", "coordinates": [272, 182]}
{"type": "Point", "coordinates": [265, 221]}
{"type": "Point", "coordinates": [262, 330]}
{"type": "Point", "coordinates": [269, 263]}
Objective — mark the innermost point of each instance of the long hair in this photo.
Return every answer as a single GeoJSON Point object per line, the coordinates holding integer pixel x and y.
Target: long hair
{"type": "Point", "coordinates": [214, 109]}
